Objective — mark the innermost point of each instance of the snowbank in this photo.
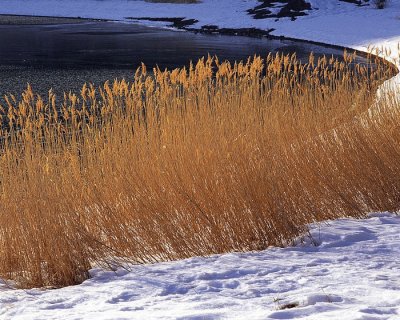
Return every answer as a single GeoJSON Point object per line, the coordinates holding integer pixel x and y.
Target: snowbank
{"type": "Point", "coordinates": [352, 273]}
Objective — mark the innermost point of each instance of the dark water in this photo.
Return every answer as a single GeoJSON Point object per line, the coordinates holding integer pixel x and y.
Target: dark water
{"type": "Point", "coordinates": [117, 45]}
{"type": "Point", "coordinates": [66, 56]}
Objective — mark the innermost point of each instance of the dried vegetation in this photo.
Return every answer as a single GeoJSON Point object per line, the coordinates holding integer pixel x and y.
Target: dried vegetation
{"type": "Point", "coordinates": [217, 158]}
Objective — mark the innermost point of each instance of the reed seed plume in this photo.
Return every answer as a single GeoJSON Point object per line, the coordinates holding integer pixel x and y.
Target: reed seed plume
{"type": "Point", "coordinates": [214, 158]}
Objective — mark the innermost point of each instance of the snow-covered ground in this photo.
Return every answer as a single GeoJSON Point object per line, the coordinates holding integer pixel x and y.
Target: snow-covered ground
{"type": "Point", "coordinates": [351, 273]}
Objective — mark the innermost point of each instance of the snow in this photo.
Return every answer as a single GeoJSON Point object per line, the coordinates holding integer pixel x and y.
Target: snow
{"type": "Point", "coordinates": [345, 269]}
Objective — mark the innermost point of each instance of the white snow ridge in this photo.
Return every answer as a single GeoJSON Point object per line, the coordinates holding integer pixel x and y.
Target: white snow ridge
{"type": "Point", "coordinates": [351, 273]}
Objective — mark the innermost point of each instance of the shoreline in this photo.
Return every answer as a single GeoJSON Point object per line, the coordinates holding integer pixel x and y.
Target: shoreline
{"type": "Point", "coordinates": [15, 77]}
{"type": "Point", "coordinates": [182, 24]}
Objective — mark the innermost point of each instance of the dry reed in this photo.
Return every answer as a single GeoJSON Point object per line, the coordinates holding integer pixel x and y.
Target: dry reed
{"type": "Point", "coordinates": [219, 157]}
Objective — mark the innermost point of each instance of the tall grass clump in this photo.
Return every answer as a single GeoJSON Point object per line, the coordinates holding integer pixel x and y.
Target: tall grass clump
{"type": "Point", "coordinates": [215, 158]}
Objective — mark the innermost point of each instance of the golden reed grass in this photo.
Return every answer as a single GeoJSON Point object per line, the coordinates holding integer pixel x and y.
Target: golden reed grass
{"type": "Point", "coordinates": [215, 158]}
